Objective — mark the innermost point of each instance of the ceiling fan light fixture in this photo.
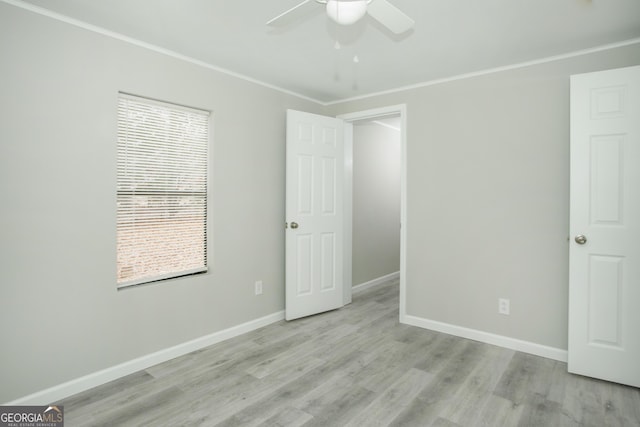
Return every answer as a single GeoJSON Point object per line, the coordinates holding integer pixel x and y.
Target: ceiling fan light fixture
{"type": "Point", "coordinates": [347, 12]}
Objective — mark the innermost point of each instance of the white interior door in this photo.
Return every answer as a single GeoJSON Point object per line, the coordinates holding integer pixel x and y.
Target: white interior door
{"type": "Point", "coordinates": [604, 289]}
{"type": "Point", "coordinates": [314, 214]}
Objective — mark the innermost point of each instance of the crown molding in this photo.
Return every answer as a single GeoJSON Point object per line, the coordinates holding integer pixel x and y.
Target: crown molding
{"type": "Point", "coordinates": [158, 49]}
{"type": "Point", "coordinates": [491, 70]}
{"type": "Point", "coordinates": [103, 31]}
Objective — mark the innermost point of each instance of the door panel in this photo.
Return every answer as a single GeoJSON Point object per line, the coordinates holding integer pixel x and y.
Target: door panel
{"type": "Point", "coordinates": [606, 178]}
{"type": "Point", "coordinates": [328, 262]}
{"type": "Point", "coordinates": [305, 185]}
{"type": "Point", "coordinates": [328, 186]}
{"type": "Point", "coordinates": [605, 293]}
{"type": "Point", "coordinates": [604, 288]}
{"type": "Point", "coordinates": [304, 261]}
{"type": "Point", "coordinates": [315, 214]}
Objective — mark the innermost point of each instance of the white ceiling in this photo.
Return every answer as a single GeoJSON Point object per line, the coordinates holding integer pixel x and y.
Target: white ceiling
{"type": "Point", "coordinates": [450, 38]}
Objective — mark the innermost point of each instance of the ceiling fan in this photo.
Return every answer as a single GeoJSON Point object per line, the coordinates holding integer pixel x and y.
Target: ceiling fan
{"type": "Point", "coordinates": [347, 12]}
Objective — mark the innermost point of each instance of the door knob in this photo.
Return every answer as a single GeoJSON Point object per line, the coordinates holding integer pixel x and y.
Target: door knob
{"type": "Point", "coordinates": [294, 225]}
{"type": "Point", "coordinates": [581, 239]}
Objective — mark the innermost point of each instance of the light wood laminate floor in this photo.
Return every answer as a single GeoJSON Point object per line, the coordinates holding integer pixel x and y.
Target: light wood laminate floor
{"type": "Point", "coordinates": [356, 366]}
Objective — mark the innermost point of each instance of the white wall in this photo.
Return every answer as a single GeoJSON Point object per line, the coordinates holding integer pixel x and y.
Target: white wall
{"type": "Point", "coordinates": [488, 196]}
{"type": "Point", "coordinates": [61, 316]}
{"type": "Point", "coordinates": [376, 201]}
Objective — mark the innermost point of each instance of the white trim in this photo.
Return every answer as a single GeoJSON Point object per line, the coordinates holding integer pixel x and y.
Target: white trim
{"type": "Point", "coordinates": [375, 282]}
{"type": "Point", "coordinates": [118, 36]}
{"type": "Point", "coordinates": [400, 109]}
{"type": "Point", "coordinates": [347, 249]}
{"type": "Point", "coordinates": [61, 391]}
{"type": "Point", "coordinates": [515, 66]}
{"type": "Point", "coordinates": [488, 338]}
{"type": "Point", "coordinates": [375, 113]}
{"type": "Point", "coordinates": [108, 33]}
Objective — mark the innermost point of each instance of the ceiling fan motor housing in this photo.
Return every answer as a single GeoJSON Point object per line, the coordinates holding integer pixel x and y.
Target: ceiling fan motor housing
{"type": "Point", "coordinates": [347, 12]}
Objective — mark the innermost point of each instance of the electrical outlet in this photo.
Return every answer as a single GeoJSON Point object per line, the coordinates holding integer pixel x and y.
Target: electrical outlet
{"type": "Point", "coordinates": [259, 287]}
{"type": "Point", "coordinates": [503, 306]}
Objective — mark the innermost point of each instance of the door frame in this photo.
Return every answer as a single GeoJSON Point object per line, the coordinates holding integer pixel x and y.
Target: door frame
{"type": "Point", "coordinates": [349, 118]}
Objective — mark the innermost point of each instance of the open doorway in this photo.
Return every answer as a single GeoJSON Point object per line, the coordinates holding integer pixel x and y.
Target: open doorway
{"type": "Point", "coordinates": [375, 228]}
{"type": "Point", "coordinates": [376, 201]}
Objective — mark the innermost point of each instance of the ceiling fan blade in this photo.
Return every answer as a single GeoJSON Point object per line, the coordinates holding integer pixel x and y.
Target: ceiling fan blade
{"type": "Point", "coordinates": [292, 14]}
{"type": "Point", "coordinates": [390, 16]}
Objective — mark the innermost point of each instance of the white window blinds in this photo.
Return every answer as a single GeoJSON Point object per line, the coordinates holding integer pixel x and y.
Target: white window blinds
{"type": "Point", "coordinates": [162, 190]}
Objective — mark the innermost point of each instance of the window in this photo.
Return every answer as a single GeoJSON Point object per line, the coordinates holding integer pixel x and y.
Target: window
{"type": "Point", "coordinates": [162, 190]}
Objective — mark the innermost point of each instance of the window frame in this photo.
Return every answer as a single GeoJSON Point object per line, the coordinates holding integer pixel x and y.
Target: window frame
{"type": "Point", "coordinates": [205, 206]}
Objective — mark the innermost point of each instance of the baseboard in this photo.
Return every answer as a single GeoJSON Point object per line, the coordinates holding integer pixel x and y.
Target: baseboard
{"type": "Point", "coordinates": [59, 392]}
{"type": "Point", "coordinates": [366, 285]}
{"type": "Point", "coordinates": [488, 338]}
